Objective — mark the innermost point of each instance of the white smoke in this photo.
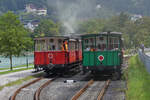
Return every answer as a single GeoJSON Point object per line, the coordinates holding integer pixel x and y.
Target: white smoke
{"type": "Point", "coordinates": [70, 12]}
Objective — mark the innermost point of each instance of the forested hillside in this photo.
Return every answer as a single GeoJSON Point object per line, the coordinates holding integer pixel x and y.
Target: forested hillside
{"type": "Point", "coordinates": [114, 6]}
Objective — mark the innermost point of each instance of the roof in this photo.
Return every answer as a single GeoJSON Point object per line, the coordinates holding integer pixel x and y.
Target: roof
{"type": "Point", "coordinates": [57, 36]}
{"type": "Point", "coordinates": [102, 33]}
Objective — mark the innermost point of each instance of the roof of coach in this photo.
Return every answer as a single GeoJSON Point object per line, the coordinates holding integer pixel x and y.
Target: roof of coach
{"type": "Point", "coordinates": [103, 33]}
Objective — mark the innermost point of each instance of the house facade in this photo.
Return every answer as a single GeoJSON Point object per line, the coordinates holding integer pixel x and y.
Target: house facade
{"type": "Point", "coordinates": [30, 8]}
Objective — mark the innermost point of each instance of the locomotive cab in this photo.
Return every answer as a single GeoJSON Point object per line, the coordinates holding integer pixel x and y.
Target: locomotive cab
{"type": "Point", "coordinates": [54, 54]}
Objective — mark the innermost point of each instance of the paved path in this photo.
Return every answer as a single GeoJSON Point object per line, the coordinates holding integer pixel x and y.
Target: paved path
{"type": "Point", "coordinates": [15, 68]}
{"type": "Point", "coordinates": [148, 54]}
{"type": "Point", "coordinates": [4, 79]}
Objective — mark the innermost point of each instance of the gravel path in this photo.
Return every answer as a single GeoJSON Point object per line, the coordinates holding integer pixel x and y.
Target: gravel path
{"type": "Point", "coordinates": [15, 76]}
{"type": "Point", "coordinates": [58, 90]}
{"type": "Point", "coordinates": [115, 91]}
{"type": "Point", "coordinates": [6, 92]}
{"type": "Point", "coordinates": [92, 92]}
{"type": "Point", "coordinates": [148, 54]}
{"type": "Point", "coordinates": [28, 93]}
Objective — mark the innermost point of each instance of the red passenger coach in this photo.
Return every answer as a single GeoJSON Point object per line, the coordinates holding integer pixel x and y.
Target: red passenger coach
{"type": "Point", "coordinates": [57, 53]}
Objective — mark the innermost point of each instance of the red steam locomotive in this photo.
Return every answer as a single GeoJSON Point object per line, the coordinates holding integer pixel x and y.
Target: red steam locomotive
{"type": "Point", "coordinates": [57, 54]}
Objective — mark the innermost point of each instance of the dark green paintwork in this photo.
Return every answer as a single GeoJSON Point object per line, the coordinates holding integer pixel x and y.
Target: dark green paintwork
{"type": "Point", "coordinates": [111, 58]}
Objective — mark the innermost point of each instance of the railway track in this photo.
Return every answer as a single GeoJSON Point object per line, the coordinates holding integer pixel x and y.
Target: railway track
{"type": "Point", "coordinates": [81, 95]}
{"type": "Point", "coordinates": [35, 95]}
{"type": "Point", "coordinates": [38, 86]}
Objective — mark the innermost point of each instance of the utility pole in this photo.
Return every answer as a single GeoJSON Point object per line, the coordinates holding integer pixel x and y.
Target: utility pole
{"type": "Point", "coordinates": [27, 59]}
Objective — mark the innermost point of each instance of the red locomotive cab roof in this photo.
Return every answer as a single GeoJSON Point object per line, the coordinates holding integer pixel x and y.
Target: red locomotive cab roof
{"type": "Point", "coordinates": [49, 37]}
{"type": "Point", "coordinates": [73, 40]}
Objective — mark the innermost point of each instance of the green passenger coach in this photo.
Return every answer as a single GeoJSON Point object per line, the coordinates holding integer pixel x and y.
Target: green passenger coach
{"type": "Point", "coordinates": [102, 51]}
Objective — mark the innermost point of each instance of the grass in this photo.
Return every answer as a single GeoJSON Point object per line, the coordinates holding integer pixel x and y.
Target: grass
{"type": "Point", "coordinates": [138, 80]}
{"type": "Point", "coordinates": [20, 81]}
{"type": "Point", "coordinates": [16, 66]}
{"type": "Point", "coordinates": [17, 70]}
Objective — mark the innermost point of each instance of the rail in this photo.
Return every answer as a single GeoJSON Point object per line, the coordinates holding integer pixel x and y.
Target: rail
{"type": "Point", "coordinates": [77, 95]}
{"type": "Point", "coordinates": [37, 93]}
{"type": "Point", "coordinates": [101, 93]}
{"type": "Point", "coordinates": [13, 97]}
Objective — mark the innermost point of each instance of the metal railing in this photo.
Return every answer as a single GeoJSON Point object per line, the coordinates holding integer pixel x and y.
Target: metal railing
{"type": "Point", "coordinates": [145, 59]}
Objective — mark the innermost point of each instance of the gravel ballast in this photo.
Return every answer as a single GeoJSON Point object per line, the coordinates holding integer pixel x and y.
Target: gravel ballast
{"type": "Point", "coordinates": [28, 92]}
{"type": "Point", "coordinates": [92, 92]}
{"type": "Point", "coordinates": [59, 90]}
{"type": "Point", "coordinates": [115, 91]}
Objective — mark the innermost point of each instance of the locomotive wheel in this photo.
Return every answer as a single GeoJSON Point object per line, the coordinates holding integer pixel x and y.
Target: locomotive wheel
{"type": "Point", "coordinates": [36, 68]}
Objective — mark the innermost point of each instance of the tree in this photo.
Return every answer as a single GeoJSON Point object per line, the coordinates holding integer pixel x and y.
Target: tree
{"type": "Point", "coordinates": [13, 36]}
{"type": "Point", "coordinates": [46, 28]}
{"type": "Point", "coordinates": [91, 26]}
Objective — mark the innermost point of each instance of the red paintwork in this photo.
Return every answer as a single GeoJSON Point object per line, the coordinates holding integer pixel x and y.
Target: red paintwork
{"type": "Point", "coordinates": [80, 55]}
{"type": "Point", "coordinates": [44, 58]}
{"type": "Point", "coordinates": [57, 57]}
{"type": "Point", "coordinates": [72, 56]}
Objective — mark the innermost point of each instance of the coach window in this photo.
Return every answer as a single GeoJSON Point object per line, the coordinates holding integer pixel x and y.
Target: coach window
{"type": "Point", "coordinates": [116, 43]}
{"type": "Point", "coordinates": [86, 44]}
{"type": "Point", "coordinates": [53, 47]}
{"type": "Point", "coordinates": [113, 43]}
{"type": "Point", "coordinates": [110, 43]}
{"type": "Point", "coordinates": [89, 44]}
{"type": "Point", "coordinates": [51, 44]}
{"type": "Point", "coordinates": [40, 45]}
{"type": "Point", "coordinates": [101, 42]}
{"type": "Point", "coordinates": [51, 40]}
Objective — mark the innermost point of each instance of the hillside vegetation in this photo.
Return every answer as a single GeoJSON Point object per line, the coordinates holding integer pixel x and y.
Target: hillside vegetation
{"type": "Point", "coordinates": [114, 6]}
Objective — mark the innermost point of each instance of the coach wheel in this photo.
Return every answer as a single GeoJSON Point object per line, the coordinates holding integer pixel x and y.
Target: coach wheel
{"type": "Point", "coordinates": [83, 71]}
{"type": "Point", "coordinates": [116, 75]}
{"type": "Point", "coordinates": [93, 72]}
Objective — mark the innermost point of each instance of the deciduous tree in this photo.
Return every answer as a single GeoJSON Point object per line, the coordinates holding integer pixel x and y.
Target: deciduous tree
{"type": "Point", "coordinates": [14, 38]}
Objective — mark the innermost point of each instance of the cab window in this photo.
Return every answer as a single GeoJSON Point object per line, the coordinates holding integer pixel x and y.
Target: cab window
{"type": "Point", "coordinates": [71, 46]}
